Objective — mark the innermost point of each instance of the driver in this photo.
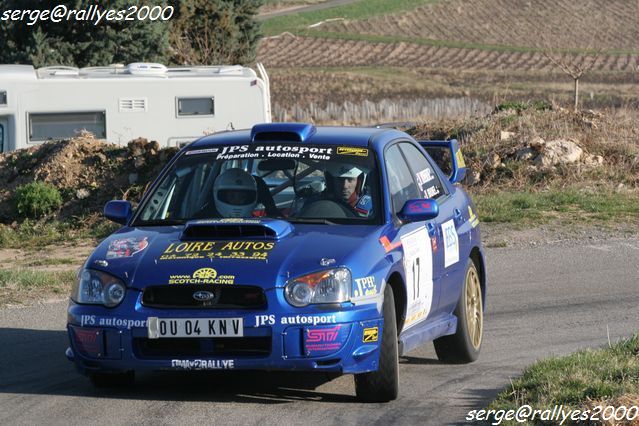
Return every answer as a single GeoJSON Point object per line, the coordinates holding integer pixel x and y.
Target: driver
{"type": "Point", "coordinates": [235, 193]}
{"type": "Point", "coordinates": [347, 183]}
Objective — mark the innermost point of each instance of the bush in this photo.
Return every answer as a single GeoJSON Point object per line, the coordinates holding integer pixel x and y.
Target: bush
{"type": "Point", "coordinates": [37, 199]}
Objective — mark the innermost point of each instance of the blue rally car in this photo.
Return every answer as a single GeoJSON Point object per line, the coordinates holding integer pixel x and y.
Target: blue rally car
{"type": "Point", "coordinates": [287, 247]}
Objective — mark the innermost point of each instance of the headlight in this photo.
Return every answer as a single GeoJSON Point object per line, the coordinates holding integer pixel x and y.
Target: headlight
{"type": "Point", "coordinates": [330, 286]}
{"type": "Point", "coordinates": [98, 288]}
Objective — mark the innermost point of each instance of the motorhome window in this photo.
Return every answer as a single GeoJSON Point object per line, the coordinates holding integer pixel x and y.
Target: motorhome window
{"type": "Point", "coordinates": [195, 106]}
{"type": "Point", "coordinates": [3, 97]}
{"type": "Point", "coordinates": [1, 138]}
{"type": "Point", "coordinates": [44, 127]}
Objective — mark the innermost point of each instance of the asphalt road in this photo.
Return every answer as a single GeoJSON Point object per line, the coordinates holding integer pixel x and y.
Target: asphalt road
{"type": "Point", "coordinates": [543, 301]}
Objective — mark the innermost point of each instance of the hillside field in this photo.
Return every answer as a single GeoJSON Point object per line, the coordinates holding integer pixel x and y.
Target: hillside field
{"type": "Point", "coordinates": [487, 50]}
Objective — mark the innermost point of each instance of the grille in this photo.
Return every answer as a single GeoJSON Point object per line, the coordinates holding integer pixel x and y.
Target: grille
{"type": "Point", "coordinates": [225, 297]}
{"type": "Point", "coordinates": [202, 347]}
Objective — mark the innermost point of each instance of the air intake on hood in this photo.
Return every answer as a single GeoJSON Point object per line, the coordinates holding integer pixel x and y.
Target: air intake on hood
{"type": "Point", "coordinates": [221, 229]}
{"type": "Point", "coordinates": [214, 232]}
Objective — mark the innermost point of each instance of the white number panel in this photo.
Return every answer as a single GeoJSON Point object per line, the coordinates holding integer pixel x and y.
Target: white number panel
{"type": "Point", "coordinates": [418, 268]}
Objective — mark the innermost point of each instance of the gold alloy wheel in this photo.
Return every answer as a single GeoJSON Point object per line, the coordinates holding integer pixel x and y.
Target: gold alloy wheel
{"type": "Point", "coordinates": [474, 311]}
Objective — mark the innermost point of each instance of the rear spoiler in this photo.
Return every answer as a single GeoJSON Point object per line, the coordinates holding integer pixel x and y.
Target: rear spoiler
{"type": "Point", "coordinates": [451, 161]}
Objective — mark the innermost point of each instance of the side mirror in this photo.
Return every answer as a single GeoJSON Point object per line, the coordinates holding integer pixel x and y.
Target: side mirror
{"type": "Point", "coordinates": [419, 210]}
{"type": "Point", "coordinates": [118, 211]}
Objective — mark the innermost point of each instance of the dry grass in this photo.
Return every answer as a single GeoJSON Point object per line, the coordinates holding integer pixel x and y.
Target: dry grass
{"type": "Point", "coordinates": [626, 400]}
{"type": "Point", "coordinates": [18, 286]}
{"type": "Point", "coordinates": [613, 134]}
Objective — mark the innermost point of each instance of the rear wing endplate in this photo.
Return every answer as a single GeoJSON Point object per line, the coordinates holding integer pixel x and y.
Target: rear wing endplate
{"type": "Point", "coordinates": [452, 163]}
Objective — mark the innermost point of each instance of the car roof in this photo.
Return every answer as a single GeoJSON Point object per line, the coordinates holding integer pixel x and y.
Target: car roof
{"type": "Point", "coordinates": [321, 135]}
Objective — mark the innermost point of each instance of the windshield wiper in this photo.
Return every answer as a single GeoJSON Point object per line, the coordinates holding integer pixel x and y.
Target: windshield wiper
{"type": "Point", "coordinates": [159, 222]}
{"type": "Point", "coordinates": [314, 221]}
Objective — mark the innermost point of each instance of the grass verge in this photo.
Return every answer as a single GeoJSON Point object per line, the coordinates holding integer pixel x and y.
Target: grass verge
{"type": "Point", "coordinates": [22, 285]}
{"type": "Point", "coordinates": [583, 380]}
{"type": "Point", "coordinates": [30, 234]}
{"type": "Point", "coordinates": [569, 206]}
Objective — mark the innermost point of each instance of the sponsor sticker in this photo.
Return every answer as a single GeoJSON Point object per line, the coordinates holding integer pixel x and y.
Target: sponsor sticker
{"type": "Point", "coordinates": [451, 243]}
{"type": "Point", "coordinates": [352, 150]}
{"type": "Point", "coordinates": [320, 341]}
{"type": "Point", "coordinates": [270, 319]}
{"type": "Point", "coordinates": [432, 192]}
{"type": "Point", "coordinates": [370, 335]}
{"type": "Point", "coordinates": [460, 158]}
{"type": "Point", "coordinates": [126, 247]}
{"type": "Point", "coordinates": [250, 250]}
{"type": "Point", "coordinates": [87, 340]}
{"type": "Point", "coordinates": [203, 364]}
{"type": "Point", "coordinates": [127, 323]}
{"type": "Point", "coordinates": [472, 217]}
{"type": "Point", "coordinates": [202, 276]}
{"type": "Point", "coordinates": [236, 152]}
{"type": "Point", "coordinates": [365, 287]}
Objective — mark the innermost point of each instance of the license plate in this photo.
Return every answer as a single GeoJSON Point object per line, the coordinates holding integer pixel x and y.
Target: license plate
{"type": "Point", "coordinates": [194, 327]}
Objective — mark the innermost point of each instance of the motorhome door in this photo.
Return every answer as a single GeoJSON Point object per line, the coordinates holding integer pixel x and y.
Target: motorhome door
{"type": "Point", "coordinates": [4, 134]}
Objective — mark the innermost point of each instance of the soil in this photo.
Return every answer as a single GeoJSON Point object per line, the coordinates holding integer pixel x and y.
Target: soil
{"type": "Point", "coordinates": [86, 171]}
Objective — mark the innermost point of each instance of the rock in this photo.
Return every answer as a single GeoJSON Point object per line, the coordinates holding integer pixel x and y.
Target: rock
{"type": "Point", "coordinates": [559, 151]}
{"type": "Point", "coordinates": [473, 177]}
{"type": "Point", "coordinates": [505, 136]}
{"type": "Point", "coordinates": [493, 160]}
{"type": "Point", "coordinates": [133, 178]}
{"type": "Point", "coordinates": [537, 143]}
{"type": "Point", "coordinates": [152, 148]}
{"type": "Point", "coordinates": [593, 160]}
{"type": "Point", "coordinates": [525, 154]}
{"type": "Point", "coordinates": [139, 162]}
{"type": "Point", "coordinates": [101, 158]}
{"type": "Point", "coordinates": [82, 193]}
{"type": "Point", "coordinates": [137, 147]}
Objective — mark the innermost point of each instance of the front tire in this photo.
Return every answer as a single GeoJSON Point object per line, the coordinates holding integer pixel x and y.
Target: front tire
{"type": "Point", "coordinates": [464, 346]}
{"type": "Point", "coordinates": [383, 385]}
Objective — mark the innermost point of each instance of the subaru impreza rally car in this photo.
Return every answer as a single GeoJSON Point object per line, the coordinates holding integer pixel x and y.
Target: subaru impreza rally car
{"type": "Point", "coordinates": [287, 247]}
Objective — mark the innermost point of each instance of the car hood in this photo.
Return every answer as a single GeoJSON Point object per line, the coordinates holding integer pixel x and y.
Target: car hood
{"type": "Point", "coordinates": [228, 253]}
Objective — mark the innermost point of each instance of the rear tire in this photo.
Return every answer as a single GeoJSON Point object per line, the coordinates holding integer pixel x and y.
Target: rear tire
{"type": "Point", "coordinates": [383, 385]}
{"type": "Point", "coordinates": [464, 346]}
{"type": "Point", "coordinates": [109, 380]}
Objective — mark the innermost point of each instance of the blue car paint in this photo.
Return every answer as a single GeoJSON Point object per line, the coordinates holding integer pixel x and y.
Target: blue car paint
{"type": "Point", "coordinates": [373, 253]}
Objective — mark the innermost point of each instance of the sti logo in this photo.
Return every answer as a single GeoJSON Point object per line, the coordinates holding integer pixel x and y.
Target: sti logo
{"type": "Point", "coordinates": [322, 334]}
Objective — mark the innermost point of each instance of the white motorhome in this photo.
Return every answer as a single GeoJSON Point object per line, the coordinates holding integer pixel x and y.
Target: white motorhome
{"type": "Point", "coordinates": [120, 103]}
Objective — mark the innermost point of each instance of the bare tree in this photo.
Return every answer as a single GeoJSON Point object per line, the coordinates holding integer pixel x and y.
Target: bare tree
{"type": "Point", "coordinates": [573, 65]}
{"type": "Point", "coordinates": [575, 43]}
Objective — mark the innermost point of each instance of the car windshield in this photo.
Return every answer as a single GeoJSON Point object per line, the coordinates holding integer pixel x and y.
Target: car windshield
{"type": "Point", "coordinates": [300, 183]}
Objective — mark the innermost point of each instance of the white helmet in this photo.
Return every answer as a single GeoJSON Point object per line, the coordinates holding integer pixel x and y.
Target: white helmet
{"type": "Point", "coordinates": [343, 170]}
{"type": "Point", "coordinates": [235, 193]}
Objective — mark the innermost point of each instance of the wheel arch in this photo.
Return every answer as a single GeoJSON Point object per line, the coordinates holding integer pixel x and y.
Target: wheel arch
{"type": "Point", "coordinates": [478, 259]}
{"type": "Point", "coordinates": [396, 282]}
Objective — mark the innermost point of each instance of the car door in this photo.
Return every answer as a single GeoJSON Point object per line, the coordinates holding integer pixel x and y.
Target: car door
{"type": "Point", "coordinates": [443, 229]}
{"type": "Point", "coordinates": [421, 286]}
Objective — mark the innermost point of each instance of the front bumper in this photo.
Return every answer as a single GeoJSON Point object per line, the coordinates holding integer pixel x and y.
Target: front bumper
{"type": "Point", "coordinates": [344, 339]}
